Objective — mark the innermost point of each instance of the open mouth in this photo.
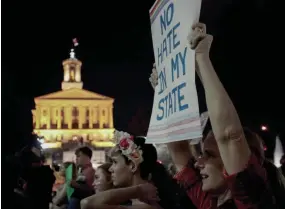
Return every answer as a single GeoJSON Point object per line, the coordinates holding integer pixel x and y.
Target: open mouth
{"type": "Point", "coordinates": [204, 176]}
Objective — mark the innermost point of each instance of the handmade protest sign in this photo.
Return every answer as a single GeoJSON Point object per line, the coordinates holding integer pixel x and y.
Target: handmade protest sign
{"type": "Point", "coordinates": [175, 112]}
{"type": "Point", "coordinates": [204, 119]}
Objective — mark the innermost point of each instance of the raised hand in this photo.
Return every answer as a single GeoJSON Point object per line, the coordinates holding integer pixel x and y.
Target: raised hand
{"type": "Point", "coordinates": [153, 79]}
{"type": "Point", "coordinates": [199, 40]}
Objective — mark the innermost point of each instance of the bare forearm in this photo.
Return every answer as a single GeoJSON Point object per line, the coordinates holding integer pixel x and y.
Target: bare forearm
{"type": "Point", "coordinates": [180, 153]}
{"type": "Point", "coordinates": [198, 71]}
{"type": "Point", "coordinates": [222, 112]}
{"type": "Point", "coordinates": [114, 196]}
{"type": "Point", "coordinates": [224, 119]}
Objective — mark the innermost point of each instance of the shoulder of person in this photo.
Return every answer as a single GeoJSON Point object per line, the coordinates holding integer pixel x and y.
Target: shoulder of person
{"type": "Point", "coordinates": [90, 169]}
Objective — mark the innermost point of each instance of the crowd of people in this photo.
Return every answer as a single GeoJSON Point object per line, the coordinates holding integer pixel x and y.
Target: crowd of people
{"type": "Point", "coordinates": [230, 172]}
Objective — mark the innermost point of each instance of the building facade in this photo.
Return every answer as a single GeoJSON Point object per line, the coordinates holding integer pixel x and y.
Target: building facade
{"type": "Point", "coordinates": [73, 113]}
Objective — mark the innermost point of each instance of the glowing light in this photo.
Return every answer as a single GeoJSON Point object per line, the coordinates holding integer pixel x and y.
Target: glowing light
{"type": "Point", "coordinates": [51, 145]}
{"type": "Point", "coordinates": [278, 152]}
{"type": "Point", "coordinates": [41, 140]}
{"type": "Point", "coordinates": [103, 144]}
{"type": "Point", "coordinates": [264, 128]}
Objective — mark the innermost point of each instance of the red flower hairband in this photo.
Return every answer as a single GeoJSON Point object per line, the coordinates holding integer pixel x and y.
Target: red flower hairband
{"type": "Point", "coordinates": [128, 147]}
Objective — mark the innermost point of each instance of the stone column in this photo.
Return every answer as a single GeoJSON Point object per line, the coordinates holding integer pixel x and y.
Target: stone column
{"type": "Point", "coordinates": [84, 114]}
{"type": "Point", "coordinates": [101, 117]}
{"type": "Point", "coordinates": [80, 117]}
{"type": "Point", "coordinates": [53, 115]}
{"type": "Point", "coordinates": [65, 115]}
{"type": "Point", "coordinates": [48, 117]}
{"type": "Point", "coordinates": [90, 118]}
{"type": "Point", "coordinates": [77, 73]}
{"type": "Point", "coordinates": [66, 73]}
{"type": "Point", "coordinates": [110, 117]}
{"type": "Point", "coordinates": [41, 116]}
{"type": "Point", "coordinates": [69, 117]}
{"type": "Point", "coordinates": [95, 115]}
{"type": "Point", "coordinates": [59, 118]}
{"type": "Point", "coordinates": [38, 117]}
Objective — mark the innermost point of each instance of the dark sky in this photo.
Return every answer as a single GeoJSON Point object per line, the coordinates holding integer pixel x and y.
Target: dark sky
{"type": "Point", "coordinates": [116, 51]}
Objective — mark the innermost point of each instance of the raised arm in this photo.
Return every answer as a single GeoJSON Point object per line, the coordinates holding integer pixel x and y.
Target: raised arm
{"type": "Point", "coordinates": [225, 121]}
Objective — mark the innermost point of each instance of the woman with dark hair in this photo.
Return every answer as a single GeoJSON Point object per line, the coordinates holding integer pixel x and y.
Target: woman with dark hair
{"type": "Point", "coordinates": [135, 171]}
{"type": "Point", "coordinates": [103, 179]}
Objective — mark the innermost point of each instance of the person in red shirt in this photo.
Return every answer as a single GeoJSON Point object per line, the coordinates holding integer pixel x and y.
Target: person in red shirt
{"type": "Point", "coordinates": [83, 185]}
{"type": "Point", "coordinates": [230, 172]}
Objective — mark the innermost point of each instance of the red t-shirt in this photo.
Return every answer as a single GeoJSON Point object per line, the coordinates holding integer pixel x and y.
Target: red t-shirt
{"type": "Point", "coordinates": [89, 173]}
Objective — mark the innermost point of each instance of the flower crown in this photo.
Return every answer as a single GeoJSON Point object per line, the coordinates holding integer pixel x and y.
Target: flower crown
{"type": "Point", "coordinates": [126, 144]}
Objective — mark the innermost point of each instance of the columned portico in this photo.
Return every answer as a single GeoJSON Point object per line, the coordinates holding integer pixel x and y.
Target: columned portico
{"type": "Point", "coordinates": [73, 110]}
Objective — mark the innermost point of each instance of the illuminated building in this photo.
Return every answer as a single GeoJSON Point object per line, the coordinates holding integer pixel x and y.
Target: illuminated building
{"type": "Point", "coordinates": [73, 113]}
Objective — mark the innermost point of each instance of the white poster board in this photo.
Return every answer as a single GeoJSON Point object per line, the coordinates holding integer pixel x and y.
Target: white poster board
{"type": "Point", "coordinates": [175, 113]}
{"type": "Point", "coordinates": [204, 119]}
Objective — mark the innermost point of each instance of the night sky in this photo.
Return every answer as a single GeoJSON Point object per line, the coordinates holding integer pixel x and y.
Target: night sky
{"type": "Point", "coordinates": [115, 47]}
